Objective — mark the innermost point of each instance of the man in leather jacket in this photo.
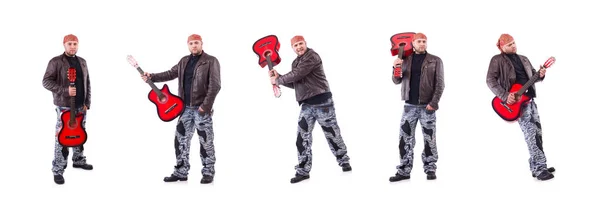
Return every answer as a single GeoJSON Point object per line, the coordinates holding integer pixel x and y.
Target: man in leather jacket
{"type": "Point", "coordinates": [422, 79]}
{"type": "Point", "coordinates": [308, 80]}
{"type": "Point", "coordinates": [56, 80]}
{"type": "Point", "coordinates": [199, 81]}
{"type": "Point", "coordinates": [506, 69]}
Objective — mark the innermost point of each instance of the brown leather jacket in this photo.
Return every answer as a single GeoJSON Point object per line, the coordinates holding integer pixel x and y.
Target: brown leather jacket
{"type": "Point", "coordinates": [307, 76]}
{"type": "Point", "coordinates": [56, 80]}
{"type": "Point", "coordinates": [431, 85]}
{"type": "Point", "coordinates": [206, 84]}
{"type": "Point", "coordinates": [501, 74]}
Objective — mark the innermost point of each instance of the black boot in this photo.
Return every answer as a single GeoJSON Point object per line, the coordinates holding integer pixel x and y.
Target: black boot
{"type": "Point", "coordinates": [59, 179]}
{"type": "Point", "coordinates": [346, 167]}
{"type": "Point", "coordinates": [174, 178]}
{"type": "Point", "coordinates": [550, 169]}
{"type": "Point", "coordinates": [431, 176]}
{"type": "Point", "coordinates": [84, 166]}
{"type": "Point", "coordinates": [299, 178]}
{"type": "Point", "coordinates": [545, 175]}
{"type": "Point", "coordinates": [399, 177]}
{"type": "Point", "coordinates": [206, 179]}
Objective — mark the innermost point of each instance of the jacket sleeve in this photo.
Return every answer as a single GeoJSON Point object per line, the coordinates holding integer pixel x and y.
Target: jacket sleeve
{"type": "Point", "coordinates": [214, 85]}
{"type": "Point", "coordinates": [50, 80]}
{"type": "Point", "coordinates": [439, 84]}
{"type": "Point", "coordinates": [300, 71]}
{"type": "Point", "coordinates": [289, 85]}
{"type": "Point", "coordinates": [166, 75]}
{"type": "Point", "coordinates": [493, 74]}
{"type": "Point", "coordinates": [88, 97]}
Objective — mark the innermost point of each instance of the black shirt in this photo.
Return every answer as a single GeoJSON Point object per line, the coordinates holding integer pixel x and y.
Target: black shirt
{"type": "Point", "coordinates": [188, 78]}
{"type": "Point", "coordinates": [415, 78]}
{"type": "Point", "coordinates": [80, 90]}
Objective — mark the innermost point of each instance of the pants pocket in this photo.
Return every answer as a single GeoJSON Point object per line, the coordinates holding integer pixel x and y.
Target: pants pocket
{"type": "Point", "coordinates": [429, 112]}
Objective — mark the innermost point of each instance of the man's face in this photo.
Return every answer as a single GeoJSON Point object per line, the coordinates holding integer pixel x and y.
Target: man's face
{"type": "Point", "coordinates": [420, 45]}
{"type": "Point", "coordinates": [299, 47]}
{"type": "Point", "coordinates": [195, 47]}
{"type": "Point", "coordinates": [510, 48]}
{"type": "Point", "coordinates": [71, 48]}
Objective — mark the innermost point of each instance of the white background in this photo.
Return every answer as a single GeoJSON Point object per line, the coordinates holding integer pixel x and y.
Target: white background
{"type": "Point", "coordinates": [482, 159]}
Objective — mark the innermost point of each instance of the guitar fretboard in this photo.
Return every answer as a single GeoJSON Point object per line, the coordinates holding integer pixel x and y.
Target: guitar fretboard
{"type": "Point", "coordinates": [532, 80]}
{"type": "Point", "coordinates": [152, 85]}
{"type": "Point", "coordinates": [269, 62]}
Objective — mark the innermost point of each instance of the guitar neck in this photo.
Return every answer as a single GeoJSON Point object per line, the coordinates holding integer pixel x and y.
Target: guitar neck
{"type": "Point", "coordinates": [269, 62]}
{"type": "Point", "coordinates": [401, 51]}
{"type": "Point", "coordinates": [531, 81]}
{"type": "Point", "coordinates": [73, 109]}
{"type": "Point", "coordinates": [152, 85]}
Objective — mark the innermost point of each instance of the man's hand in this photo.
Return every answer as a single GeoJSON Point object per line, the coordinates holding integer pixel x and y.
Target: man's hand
{"type": "Point", "coordinates": [398, 62]}
{"type": "Point", "coordinates": [511, 98]}
{"type": "Point", "coordinates": [146, 76]}
{"type": "Point", "coordinates": [273, 75]}
{"type": "Point", "coordinates": [72, 91]}
{"type": "Point", "coordinates": [429, 107]}
{"type": "Point", "coordinates": [542, 72]}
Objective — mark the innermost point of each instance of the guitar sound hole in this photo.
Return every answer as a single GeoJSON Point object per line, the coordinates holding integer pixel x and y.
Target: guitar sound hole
{"type": "Point", "coordinates": [164, 99]}
{"type": "Point", "coordinates": [267, 53]}
{"type": "Point", "coordinates": [72, 126]}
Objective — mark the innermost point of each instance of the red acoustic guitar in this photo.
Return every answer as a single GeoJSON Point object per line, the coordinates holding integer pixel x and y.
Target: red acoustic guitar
{"type": "Point", "coordinates": [72, 133]}
{"type": "Point", "coordinates": [402, 47]}
{"type": "Point", "coordinates": [168, 105]}
{"type": "Point", "coordinates": [267, 49]}
{"type": "Point", "coordinates": [402, 44]}
{"type": "Point", "coordinates": [512, 112]}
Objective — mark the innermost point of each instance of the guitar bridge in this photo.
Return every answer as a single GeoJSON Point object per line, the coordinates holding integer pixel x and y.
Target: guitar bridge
{"type": "Point", "coordinates": [170, 108]}
{"type": "Point", "coordinates": [72, 137]}
{"type": "Point", "coordinates": [506, 106]}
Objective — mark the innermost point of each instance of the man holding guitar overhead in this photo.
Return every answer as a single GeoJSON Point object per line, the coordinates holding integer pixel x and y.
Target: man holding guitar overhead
{"type": "Point", "coordinates": [422, 79]}
{"type": "Point", "coordinates": [199, 78]}
{"type": "Point", "coordinates": [315, 99]}
{"type": "Point", "coordinates": [506, 69]}
{"type": "Point", "coordinates": [56, 79]}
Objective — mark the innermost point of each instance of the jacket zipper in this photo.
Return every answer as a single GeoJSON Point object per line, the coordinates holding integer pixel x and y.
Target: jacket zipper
{"type": "Point", "coordinates": [193, 80]}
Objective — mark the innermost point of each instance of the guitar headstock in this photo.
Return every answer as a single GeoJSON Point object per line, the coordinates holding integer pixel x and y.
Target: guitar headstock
{"type": "Point", "coordinates": [549, 62]}
{"type": "Point", "coordinates": [132, 61]}
{"type": "Point", "coordinates": [71, 74]}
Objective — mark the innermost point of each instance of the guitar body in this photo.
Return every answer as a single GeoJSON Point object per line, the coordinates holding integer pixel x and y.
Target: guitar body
{"type": "Point", "coordinates": [72, 136]}
{"type": "Point", "coordinates": [402, 39]}
{"type": "Point", "coordinates": [513, 111]}
{"type": "Point", "coordinates": [266, 47]}
{"type": "Point", "coordinates": [168, 109]}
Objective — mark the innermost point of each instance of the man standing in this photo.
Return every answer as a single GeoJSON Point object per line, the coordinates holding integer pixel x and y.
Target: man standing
{"type": "Point", "coordinates": [506, 69]}
{"type": "Point", "coordinates": [315, 99]}
{"type": "Point", "coordinates": [56, 80]}
{"type": "Point", "coordinates": [199, 80]}
{"type": "Point", "coordinates": [422, 87]}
